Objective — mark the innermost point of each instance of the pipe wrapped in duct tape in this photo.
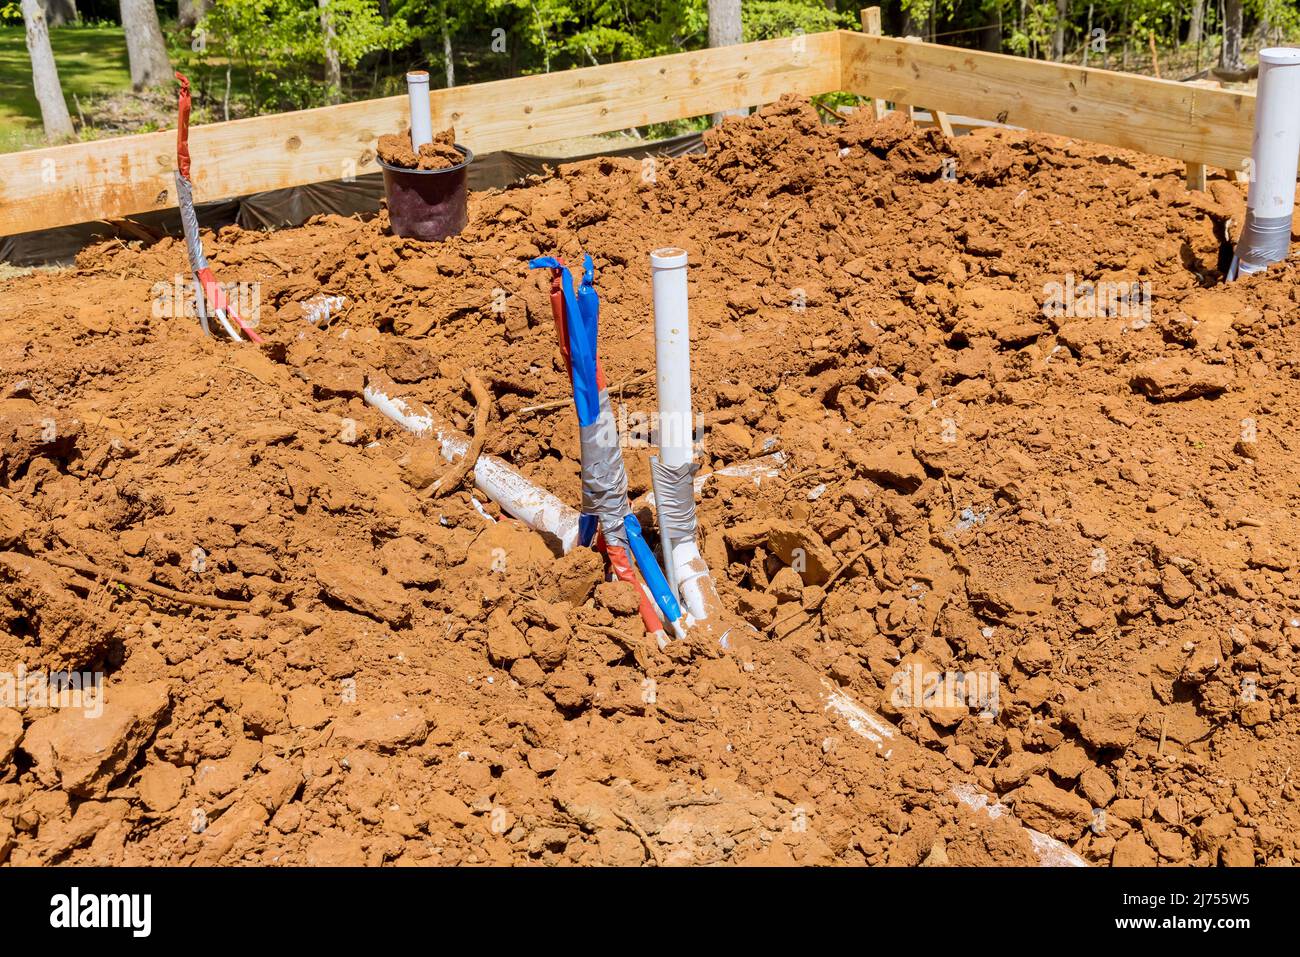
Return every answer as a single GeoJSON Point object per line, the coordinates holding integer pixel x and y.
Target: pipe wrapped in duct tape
{"type": "Point", "coordinates": [1270, 201]}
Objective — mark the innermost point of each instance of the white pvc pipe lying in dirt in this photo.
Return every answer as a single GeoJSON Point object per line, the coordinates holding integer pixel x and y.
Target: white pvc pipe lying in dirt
{"type": "Point", "coordinates": [1275, 153]}
{"type": "Point", "coordinates": [1049, 851]}
{"type": "Point", "coordinates": [518, 496]}
{"type": "Point", "coordinates": [417, 92]}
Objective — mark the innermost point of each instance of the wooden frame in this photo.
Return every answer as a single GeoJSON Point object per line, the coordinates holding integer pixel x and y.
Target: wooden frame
{"type": "Point", "coordinates": [114, 178]}
{"type": "Point", "coordinates": [1184, 122]}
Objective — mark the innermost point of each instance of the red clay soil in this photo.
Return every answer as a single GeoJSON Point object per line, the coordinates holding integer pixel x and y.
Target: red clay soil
{"type": "Point", "coordinates": [395, 150]}
{"type": "Point", "coordinates": [1092, 515]}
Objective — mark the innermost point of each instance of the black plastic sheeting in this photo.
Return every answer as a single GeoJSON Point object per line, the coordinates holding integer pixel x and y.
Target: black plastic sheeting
{"type": "Point", "coordinates": [278, 208]}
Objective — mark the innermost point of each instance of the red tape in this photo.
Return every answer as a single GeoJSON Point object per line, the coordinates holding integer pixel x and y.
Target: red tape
{"type": "Point", "coordinates": [183, 127]}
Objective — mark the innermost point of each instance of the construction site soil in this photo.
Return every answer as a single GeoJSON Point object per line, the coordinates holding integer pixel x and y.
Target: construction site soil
{"type": "Point", "coordinates": [1034, 505]}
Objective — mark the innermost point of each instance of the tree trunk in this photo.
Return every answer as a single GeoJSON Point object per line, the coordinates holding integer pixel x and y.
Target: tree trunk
{"type": "Point", "coordinates": [1197, 25]}
{"type": "Point", "coordinates": [725, 30]}
{"type": "Point", "coordinates": [1230, 62]}
{"type": "Point", "coordinates": [333, 72]}
{"type": "Point", "coordinates": [45, 75]}
{"type": "Point", "coordinates": [190, 12]}
{"type": "Point", "coordinates": [447, 52]}
{"type": "Point", "coordinates": [59, 12]}
{"type": "Point", "coordinates": [144, 45]}
{"type": "Point", "coordinates": [1087, 37]}
{"type": "Point", "coordinates": [1058, 31]}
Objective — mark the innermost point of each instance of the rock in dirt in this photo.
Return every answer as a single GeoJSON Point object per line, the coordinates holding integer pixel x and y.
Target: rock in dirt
{"type": "Point", "coordinates": [383, 727]}
{"type": "Point", "coordinates": [619, 597]}
{"type": "Point", "coordinates": [1132, 851]}
{"type": "Point", "coordinates": [1040, 804]}
{"type": "Point", "coordinates": [335, 849]}
{"type": "Point", "coordinates": [1176, 378]}
{"type": "Point", "coordinates": [802, 549]}
{"type": "Point", "coordinates": [160, 786]}
{"type": "Point", "coordinates": [730, 442]}
{"type": "Point", "coordinates": [424, 466]}
{"type": "Point", "coordinates": [756, 607]}
{"type": "Point", "coordinates": [1108, 715]}
{"type": "Point", "coordinates": [893, 466]}
{"type": "Point", "coordinates": [258, 704]}
{"type": "Point", "coordinates": [83, 754]}
{"type": "Point", "coordinates": [29, 430]}
{"type": "Point", "coordinates": [14, 522]}
{"type": "Point", "coordinates": [408, 562]}
{"type": "Point", "coordinates": [306, 707]}
{"type": "Point", "coordinates": [505, 642]}
{"type": "Point", "coordinates": [11, 732]}
{"type": "Point", "coordinates": [574, 577]}
{"type": "Point", "coordinates": [364, 591]}
{"type": "Point", "coordinates": [1096, 785]}
{"type": "Point", "coordinates": [44, 623]}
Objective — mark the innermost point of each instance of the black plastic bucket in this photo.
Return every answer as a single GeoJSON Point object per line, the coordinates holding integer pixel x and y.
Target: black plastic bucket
{"type": "Point", "coordinates": [427, 204]}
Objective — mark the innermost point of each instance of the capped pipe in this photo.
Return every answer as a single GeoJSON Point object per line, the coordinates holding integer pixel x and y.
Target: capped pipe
{"type": "Point", "coordinates": [417, 91]}
{"type": "Point", "coordinates": [1275, 153]}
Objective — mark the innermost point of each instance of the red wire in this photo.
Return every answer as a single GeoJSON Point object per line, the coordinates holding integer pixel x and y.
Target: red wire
{"type": "Point", "coordinates": [183, 127]}
{"type": "Point", "coordinates": [617, 557]}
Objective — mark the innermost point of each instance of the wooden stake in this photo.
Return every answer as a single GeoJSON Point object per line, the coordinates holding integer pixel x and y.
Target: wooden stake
{"type": "Point", "coordinates": [871, 25]}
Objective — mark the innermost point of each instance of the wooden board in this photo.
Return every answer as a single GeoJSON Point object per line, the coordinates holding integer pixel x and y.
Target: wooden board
{"type": "Point", "coordinates": [108, 179]}
{"type": "Point", "coordinates": [113, 178]}
{"type": "Point", "coordinates": [1210, 127]}
{"type": "Point", "coordinates": [871, 24]}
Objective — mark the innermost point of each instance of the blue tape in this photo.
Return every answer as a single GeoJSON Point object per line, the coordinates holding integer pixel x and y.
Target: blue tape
{"type": "Point", "coordinates": [581, 353]}
{"type": "Point", "coordinates": [582, 343]}
{"type": "Point", "coordinates": [587, 525]}
{"type": "Point", "coordinates": [649, 568]}
{"type": "Point", "coordinates": [589, 302]}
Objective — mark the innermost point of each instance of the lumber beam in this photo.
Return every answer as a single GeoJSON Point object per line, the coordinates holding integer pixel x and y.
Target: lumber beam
{"type": "Point", "coordinates": [1163, 117]}
{"type": "Point", "coordinates": [114, 178]}
{"type": "Point", "coordinates": [871, 25]}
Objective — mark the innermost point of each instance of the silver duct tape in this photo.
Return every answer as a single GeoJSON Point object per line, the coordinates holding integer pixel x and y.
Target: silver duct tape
{"type": "Point", "coordinates": [604, 479]}
{"type": "Point", "coordinates": [190, 222]}
{"type": "Point", "coordinates": [1263, 242]}
{"type": "Point", "coordinates": [675, 499]}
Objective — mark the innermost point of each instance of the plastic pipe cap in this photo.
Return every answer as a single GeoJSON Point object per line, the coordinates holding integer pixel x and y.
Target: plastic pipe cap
{"type": "Point", "coordinates": [1280, 56]}
{"type": "Point", "coordinates": [670, 257]}
{"type": "Point", "coordinates": [418, 76]}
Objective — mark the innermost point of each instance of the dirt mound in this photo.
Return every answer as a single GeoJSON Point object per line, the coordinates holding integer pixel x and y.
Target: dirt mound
{"type": "Point", "coordinates": [395, 150]}
{"type": "Point", "coordinates": [1037, 510]}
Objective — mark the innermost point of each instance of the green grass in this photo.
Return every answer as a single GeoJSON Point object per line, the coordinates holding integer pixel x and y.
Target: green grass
{"type": "Point", "coordinates": [90, 60]}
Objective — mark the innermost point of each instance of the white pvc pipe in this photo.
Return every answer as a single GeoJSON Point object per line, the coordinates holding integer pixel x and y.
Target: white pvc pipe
{"type": "Point", "coordinates": [1275, 154]}
{"type": "Point", "coordinates": [686, 567]}
{"type": "Point", "coordinates": [417, 91]}
{"type": "Point", "coordinates": [838, 703]}
{"type": "Point", "coordinates": [518, 496]}
{"type": "Point", "coordinates": [672, 356]}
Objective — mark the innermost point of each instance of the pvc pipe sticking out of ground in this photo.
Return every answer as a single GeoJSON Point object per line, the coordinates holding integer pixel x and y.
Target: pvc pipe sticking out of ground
{"type": "Point", "coordinates": [1275, 153]}
{"type": "Point", "coordinates": [417, 91]}
{"type": "Point", "coordinates": [672, 356]}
